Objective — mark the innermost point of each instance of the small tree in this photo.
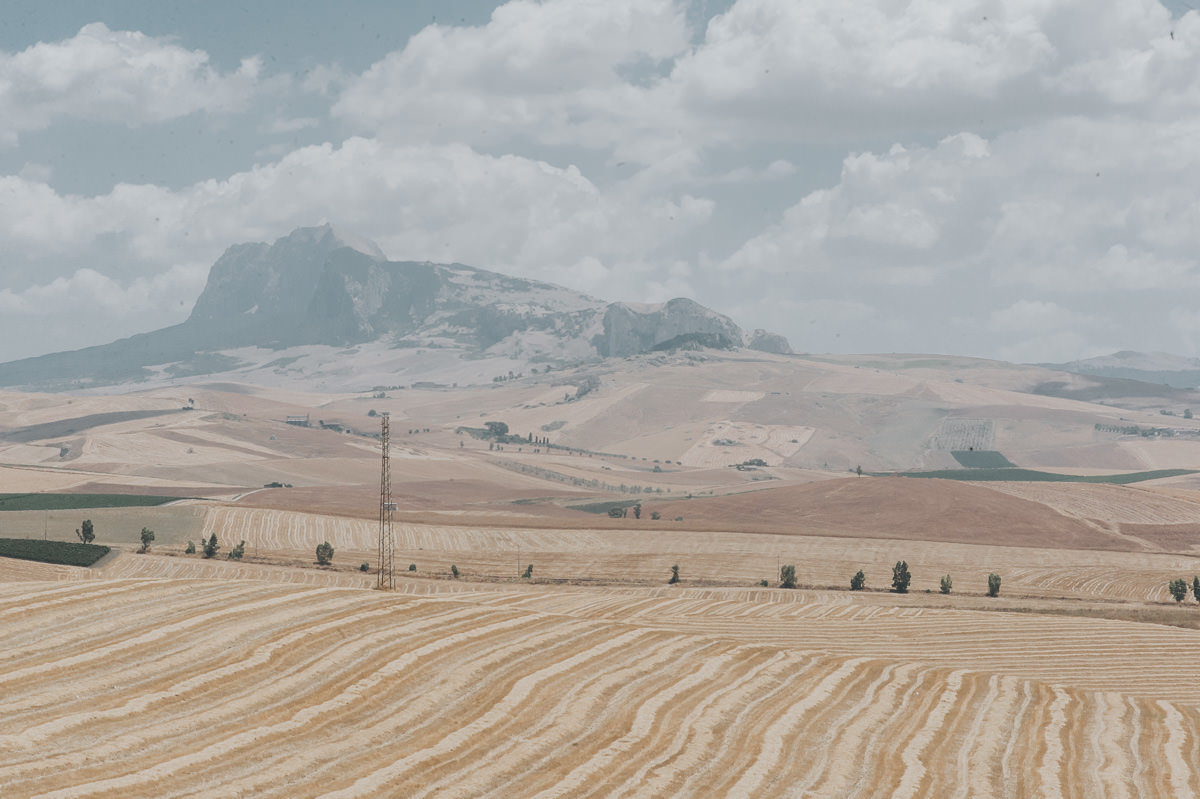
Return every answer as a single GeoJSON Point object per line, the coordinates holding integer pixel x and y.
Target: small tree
{"type": "Point", "coordinates": [237, 552]}
{"type": "Point", "coordinates": [86, 532]}
{"type": "Point", "coordinates": [147, 538]}
{"type": "Point", "coordinates": [211, 546]}
{"type": "Point", "coordinates": [637, 511]}
{"type": "Point", "coordinates": [946, 584]}
{"type": "Point", "coordinates": [900, 577]}
{"type": "Point", "coordinates": [763, 583]}
{"type": "Point", "coordinates": [1178, 589]}
{"type": "Point", "coordinates": [324, 553]}
{"type": "Point", "coordinates": [858, 581]}
{"type": "Point", "coordinates": [412, 567]}
{"type": "Point", "coordinates": [1196, 588]}
{"type": "Point", "coordinates": [655, 515]}
{"type": "Point", "coordinates": [190, 549]}
{"type": "Point", "coordinates": [364, 567]}
{"type": "Point", "coordinates": [994, 585]}
{"type": "Point", "coordinates": [453, 571]}
{"type": "Point", "coordinates": [528, 573]}
{"type": "Point", "coordinates": [787, 576]}
{"type": "Point", "coordinates": [674, 575]}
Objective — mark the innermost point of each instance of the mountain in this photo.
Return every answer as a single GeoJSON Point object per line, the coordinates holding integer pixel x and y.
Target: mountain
{"type": "Point", "coordinates": [321, 305]}
{"type": "Point", "coordinates": [1161, 368]}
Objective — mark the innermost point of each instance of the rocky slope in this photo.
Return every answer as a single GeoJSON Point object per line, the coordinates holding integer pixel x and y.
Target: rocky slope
{"type": "Point", "coordinates": [308, 303]}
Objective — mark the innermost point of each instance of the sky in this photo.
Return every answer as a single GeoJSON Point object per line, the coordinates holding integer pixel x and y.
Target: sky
{"type": "Point", "coordinates": [1013, 179]}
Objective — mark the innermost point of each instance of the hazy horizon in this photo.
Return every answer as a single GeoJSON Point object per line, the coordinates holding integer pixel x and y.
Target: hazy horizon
{"type": "Point", "coordinates": [1014, 182]}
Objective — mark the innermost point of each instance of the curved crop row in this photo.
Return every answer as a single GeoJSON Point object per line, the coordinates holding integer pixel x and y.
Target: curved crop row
{"type": "Point", "coordinates": [190, 687]}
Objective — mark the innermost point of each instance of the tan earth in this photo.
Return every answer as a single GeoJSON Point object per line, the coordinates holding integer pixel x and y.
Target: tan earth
{"type": "Point", "coordinates": [165, 674]}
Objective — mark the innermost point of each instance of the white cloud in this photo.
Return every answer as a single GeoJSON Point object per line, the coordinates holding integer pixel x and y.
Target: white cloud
{"type": "Point", "coordinates": [444, 204]}
{"type": "Point", "coordinates": [553, 71]}
{"type": "Point", "coordinates": [1024, 209]}
{"type": "Point", "coordinates": [121, 77]}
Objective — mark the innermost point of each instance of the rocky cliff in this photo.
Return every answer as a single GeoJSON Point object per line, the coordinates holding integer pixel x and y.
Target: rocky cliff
{"type": "Point", "coordinates": [319, 287]}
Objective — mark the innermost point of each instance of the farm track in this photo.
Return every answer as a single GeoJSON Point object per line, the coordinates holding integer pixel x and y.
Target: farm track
{"type": "Point", "coordinates": [174, 687]}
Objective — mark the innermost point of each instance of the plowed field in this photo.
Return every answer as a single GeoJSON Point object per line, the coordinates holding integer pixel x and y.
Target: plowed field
{"type": "Point", "coordinates": [192, 687]}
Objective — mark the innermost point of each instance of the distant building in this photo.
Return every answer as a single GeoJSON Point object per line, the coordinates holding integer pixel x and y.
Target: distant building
{"type": "Point", "coordinates": [299, 421]}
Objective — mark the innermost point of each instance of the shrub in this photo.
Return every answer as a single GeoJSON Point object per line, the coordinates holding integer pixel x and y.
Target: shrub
{"type": "Point", "coordinates": [324, 553]}
{"type": "Point", "coordinates": [211, 546]}
{"type": "Point", "coordinates": [237, 552]}
{"type": "Point", "coordinates": [763, 583]}
{"type": "Point", "coordinates": [674, 575]}
{"type": "Point", "coordinates": [900, 577]}
{"type": "Point", "coordinates": [147, 538]}
{"type": "Point", "coordinates": [453, 571]}
{"type": "Point", "coordinates": [655, 515]}
{"type": "Point", "coordinates": [858, 581]}
{"type": "Point", "coordinates": [412, 567]}
{"type": "Point", "coordinates": [1196, 588]}
{"type": "Point", "coordinates": [190, 549]}
{"type": "Point", "coordinates": [1178, 589]}
{"type": "Point", "coordinates": [364, 567]}
{"type": "Point", "coordinates": [947, 584]}
{"type": "Point", "coordinates": [994, 585]}
{"type": "Point", "coordinates": [528, 573]}
{"type": "Point", "coordinates": [787, 576]}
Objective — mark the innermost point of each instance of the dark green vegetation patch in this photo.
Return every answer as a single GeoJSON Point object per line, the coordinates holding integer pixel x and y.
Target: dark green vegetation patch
{"type": "Point", "coordinates": [79, 501]}
{"type": "Point", "coordinates": [981, 459]}
{"type": "Point", "coordinates": [1032, 476]}
{"type": "Point", "coordinates": [606, 506]}
{"type": "Point", "coordinates": [66, 553]}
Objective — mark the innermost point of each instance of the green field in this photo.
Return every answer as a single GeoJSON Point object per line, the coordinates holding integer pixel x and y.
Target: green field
{"type": "Point", "coordinates": [981, 459]}
{"type": "Point", "coordinates": [10, 502]}
{"type": "Point", "coordinates": [606, 506]}
{"type": "Point", "coordinates": [66, 553]}
{"type": "Point", "coordinates": [1032, 476]}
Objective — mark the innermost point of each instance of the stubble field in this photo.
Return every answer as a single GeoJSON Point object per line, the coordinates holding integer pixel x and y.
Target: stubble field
{"type": "Point", "coordinates": [167, 674]}
{"type": "Point", "coordinates": [220, 687]}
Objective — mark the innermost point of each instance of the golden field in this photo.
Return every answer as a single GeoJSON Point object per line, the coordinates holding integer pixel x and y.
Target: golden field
{"type": "Point", "coordinates": [165, 674]}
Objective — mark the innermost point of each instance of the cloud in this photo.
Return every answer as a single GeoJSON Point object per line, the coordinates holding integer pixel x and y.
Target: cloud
{"type": "Point", "coordinates": [1027, 208]}
{"type": "Point", "coordinates": [558, 72]}
{"type": "Point", "coordinates": [88, 307]}
{"type": "Point", "coordinates": [624, 76]}
{"type": "Point", "coordinates": [818, 69]}
{"type": "Point", "coordinates": [446, 203]}
{"type": "Point", "coordinates": [111, 76]}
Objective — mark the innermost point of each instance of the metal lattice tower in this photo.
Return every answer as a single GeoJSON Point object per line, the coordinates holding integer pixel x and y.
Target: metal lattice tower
{"type": "Point", "coordinates": [387, 566]}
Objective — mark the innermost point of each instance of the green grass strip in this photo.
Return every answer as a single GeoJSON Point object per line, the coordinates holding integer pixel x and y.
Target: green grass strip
{"type": "Point", "coordinates": [79, 501]}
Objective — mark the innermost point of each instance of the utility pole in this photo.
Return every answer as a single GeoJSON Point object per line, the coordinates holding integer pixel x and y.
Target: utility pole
{"type": "Point", "coordinates": [387, 569]}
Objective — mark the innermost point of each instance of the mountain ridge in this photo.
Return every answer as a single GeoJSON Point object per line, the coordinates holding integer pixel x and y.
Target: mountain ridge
{"type": "Point", "coordinates": [1164, 368]}
{"type": "Point", "coordinates": [318, 291]}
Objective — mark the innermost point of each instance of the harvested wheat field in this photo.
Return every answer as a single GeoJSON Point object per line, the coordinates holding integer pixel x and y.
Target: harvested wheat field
{"type": "Point", "coordinates": [218, 688]}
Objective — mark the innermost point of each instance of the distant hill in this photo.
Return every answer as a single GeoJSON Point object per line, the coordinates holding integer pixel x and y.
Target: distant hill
{"type": "Point", "coordinates": [1149, 367]}
{"type": "Point", "coordinates": [324, 305]}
